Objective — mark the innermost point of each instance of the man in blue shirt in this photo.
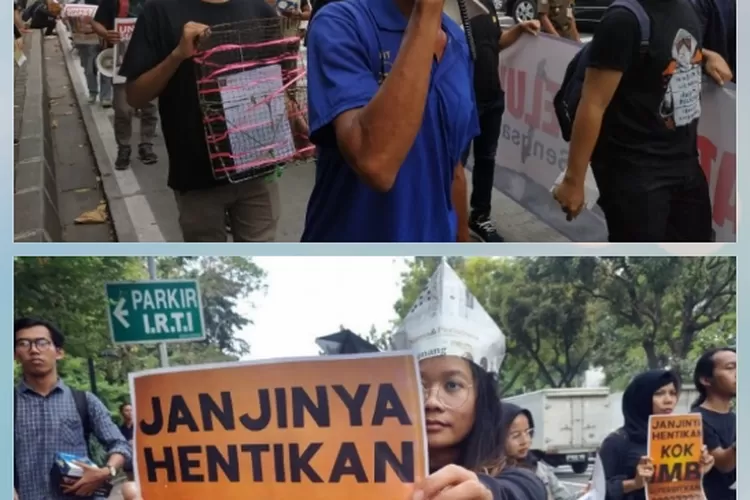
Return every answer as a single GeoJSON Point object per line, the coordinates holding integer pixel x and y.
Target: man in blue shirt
{"type": "Point", "coordinates": [391, 106]}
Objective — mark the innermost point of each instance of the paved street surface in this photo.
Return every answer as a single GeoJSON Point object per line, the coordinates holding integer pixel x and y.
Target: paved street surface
{"type": "Point", "coordinates": [78, 188]}
{"type": "Point", "coordinates": [150, 206]}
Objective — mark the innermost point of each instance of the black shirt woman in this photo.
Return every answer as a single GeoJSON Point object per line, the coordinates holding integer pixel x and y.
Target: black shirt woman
{"type": "Point", "coordinates": [624, 453]}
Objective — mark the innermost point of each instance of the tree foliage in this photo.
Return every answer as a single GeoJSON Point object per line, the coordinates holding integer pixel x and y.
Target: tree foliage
{"type": "Point", "coordinates": [564, 315]}
{"type": "Point", "coordinates": [69, 291]}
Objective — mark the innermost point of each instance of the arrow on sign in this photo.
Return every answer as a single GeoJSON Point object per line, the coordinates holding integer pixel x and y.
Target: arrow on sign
{"type": "Point", "coordinates": [121, 313]}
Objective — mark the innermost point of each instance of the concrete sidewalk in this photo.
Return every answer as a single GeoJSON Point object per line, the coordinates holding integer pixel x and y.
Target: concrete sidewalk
{"type": "Point", "coordinates": [143, 208]}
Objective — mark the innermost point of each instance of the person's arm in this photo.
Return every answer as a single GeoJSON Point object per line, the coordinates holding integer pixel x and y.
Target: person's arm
{"type": "Point", "coordinates": [103, 20]}
{"type": "Point", "coordinates": [146, 66]}
{"type": "Point", "coordinates": [373, 126]}
{"type": "Point", "coordinates": [514, 484]}
{"type": "Point", "coordinates": [460, 199]}
{"type": "Point", "coordinates": [725, 459]}
{"type": "Point", "coordinates": [542, 9]}
{"type": "Point", "coordinates": [106, 431]}
{"type": "Point", "coordinates": [573, 24]}
{"type": "Point", "coordinates": [613, 49]}
{"type": "Point", "coordinates": [610, 452]}
{"type": "Point", "coordinates": [511, 36]}
{"type": "Point", "coordinates": [715, 66]}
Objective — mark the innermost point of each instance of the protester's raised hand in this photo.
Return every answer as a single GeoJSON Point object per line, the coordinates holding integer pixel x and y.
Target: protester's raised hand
{"type": "Point", "coordinates": [707, 460]}
{"type": "Point", "coordinates": [192, 35]}
{"type": "Point", "coordinates": [452, 483]}
{"type": "Point", "coordinates": [531, 27]}
{"type": "Point", "coordinates": [644, 471]}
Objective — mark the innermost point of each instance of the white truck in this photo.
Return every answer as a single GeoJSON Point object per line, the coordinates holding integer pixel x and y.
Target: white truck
{"type": "Point", "coordinates": [569, 423]}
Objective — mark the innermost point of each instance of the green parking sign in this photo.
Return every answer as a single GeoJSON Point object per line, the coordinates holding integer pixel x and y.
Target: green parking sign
{"type": "Point", "coordinates": [146, 312]}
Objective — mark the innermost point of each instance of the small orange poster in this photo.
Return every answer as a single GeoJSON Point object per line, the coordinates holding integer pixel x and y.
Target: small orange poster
{"type": "Point", "coordinates": [326, 428]}
{"type": "Point", "coordinates": [675, 443]}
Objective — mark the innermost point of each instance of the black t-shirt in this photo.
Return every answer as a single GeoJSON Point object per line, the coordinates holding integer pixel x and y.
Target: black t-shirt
{"type": "Point", "coordinates": [157, 33]}
{"type": "Point", "coordinates": [109, 10]}
{"type": "Point", "coordinates": [650, 128]}
{"type": "Point", "coordinates": [127, 432]}
{"type": "Point", "coordinates": [486, 32]}
{"type": "Point", "coordinates": [719, 431]}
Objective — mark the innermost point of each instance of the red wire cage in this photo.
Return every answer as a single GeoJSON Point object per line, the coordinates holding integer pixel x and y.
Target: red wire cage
{"type": "Point", "coordinates": [253, 97]}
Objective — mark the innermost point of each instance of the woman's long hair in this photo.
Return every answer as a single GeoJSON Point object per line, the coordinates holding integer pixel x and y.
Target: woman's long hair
{"type": "Point", "coordinates": [704, 368]}
{"type": "Point", "coordinates": [483, 450]}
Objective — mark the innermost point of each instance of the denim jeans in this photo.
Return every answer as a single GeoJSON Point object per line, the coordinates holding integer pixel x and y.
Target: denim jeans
{"type": "Point", "coordinates": [101, 85]}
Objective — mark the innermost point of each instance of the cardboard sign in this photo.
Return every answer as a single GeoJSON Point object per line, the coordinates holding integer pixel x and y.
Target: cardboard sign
{"type": "Point", "coordinates": [77, 18]}
{"type": "Point", "coordinates": [125, 27]}
{"type": "Point", "coordinates": [325, 428]}
{"type": "Point", "coordinates": [675, 444]}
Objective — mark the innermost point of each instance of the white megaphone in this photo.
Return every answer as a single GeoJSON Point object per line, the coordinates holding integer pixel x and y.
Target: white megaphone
{"type": "Point", "coordinates": [105, 62]}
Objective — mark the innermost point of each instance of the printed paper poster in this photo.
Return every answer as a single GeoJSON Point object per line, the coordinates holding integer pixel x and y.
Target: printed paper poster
{"type": "Point", "coordinates": [124, 26]}
{"type": "Point", "coordinates": [675, 444]}
{"type": "Point", "coordinates": [77, 18]}
{"type": "Point", "coordinates": [326, 428]}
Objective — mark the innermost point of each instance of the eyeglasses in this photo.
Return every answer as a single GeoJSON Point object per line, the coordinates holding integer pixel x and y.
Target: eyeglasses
{"type": "Point", "coordinates": [451, 394]}
{"type": "Point", "coordinates": [41, 344]}
{"type": "Point", "coordinates": [521, 435]}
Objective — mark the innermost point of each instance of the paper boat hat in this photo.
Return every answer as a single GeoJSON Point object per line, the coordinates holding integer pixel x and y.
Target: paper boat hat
{"type": "Point", "coordinates": [447, 320]}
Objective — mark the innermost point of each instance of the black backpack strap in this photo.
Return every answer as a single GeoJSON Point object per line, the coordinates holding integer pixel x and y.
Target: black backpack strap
{"type": "Point", "coordinates": [644, 22]}
{"type": "Point", "coordinates": [82, 405]}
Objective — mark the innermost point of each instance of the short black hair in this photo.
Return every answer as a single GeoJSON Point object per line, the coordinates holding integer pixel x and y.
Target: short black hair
{"type": "Point", "coordinates": [58, 339]}
{"type": "Point", "coordinates": [704, 368]}
{"type": "Point", "coordinates": [124, 404]}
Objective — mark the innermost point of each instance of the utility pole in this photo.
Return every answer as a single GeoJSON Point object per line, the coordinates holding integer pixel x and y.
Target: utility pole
{"type": "Point", "coordinates": [163, 354]}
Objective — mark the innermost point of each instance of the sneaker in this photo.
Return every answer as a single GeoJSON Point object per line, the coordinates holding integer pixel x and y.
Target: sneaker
{"type": "Point", "coordinates": [106, 103]}
{"type": "Point", "coordinates": [123, 158]}
{"type": "Point", "coordinates": [146, 154]}
{"type": "Point", "coordinates": [93, 97]}
{"type": "Point", "coordinates": [484, 229]}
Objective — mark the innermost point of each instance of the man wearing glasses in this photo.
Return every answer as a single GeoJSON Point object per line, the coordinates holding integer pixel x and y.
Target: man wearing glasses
{"type": "Point", "coordinates": [48, 421]}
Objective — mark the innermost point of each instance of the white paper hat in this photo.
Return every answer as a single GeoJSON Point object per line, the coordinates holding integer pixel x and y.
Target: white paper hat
{"type": "Point", "coordinates": [447, 320]}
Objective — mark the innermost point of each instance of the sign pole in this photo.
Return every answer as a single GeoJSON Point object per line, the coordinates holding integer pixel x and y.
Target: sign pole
{"type": "Point", "coordinates": [163, 354]}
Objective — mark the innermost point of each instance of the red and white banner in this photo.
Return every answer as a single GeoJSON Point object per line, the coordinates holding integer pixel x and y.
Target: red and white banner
{"type": "Point", "coordinates": [532, 154]}
{"type": "Point", "coordinates": [124, 26]}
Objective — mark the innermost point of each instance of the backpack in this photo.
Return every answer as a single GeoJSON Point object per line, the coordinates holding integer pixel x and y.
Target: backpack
{"type": "Point", "coordinates": [82, 405]}
{"type": "Point", "coordinates": [567, 98]}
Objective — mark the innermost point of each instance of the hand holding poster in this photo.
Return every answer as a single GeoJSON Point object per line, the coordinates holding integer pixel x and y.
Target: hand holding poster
{"type": "Point", "coordinates": [675, 446]}
{"type": "Point", "coordinates": [124, 26]}
{"type": "Point", "coordinates": [77, 18]}
{"type": "Point", "coordinates": [324, 428]}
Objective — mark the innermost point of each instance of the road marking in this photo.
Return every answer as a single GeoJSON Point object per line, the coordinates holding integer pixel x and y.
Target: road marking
{"type": "Point", "coordinates": [139, 209]}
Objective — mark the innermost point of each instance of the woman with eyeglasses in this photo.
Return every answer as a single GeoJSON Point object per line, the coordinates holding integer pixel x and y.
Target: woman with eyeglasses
{"type": "Point", "coordinates": [467, 459]}
{"type": "Point", "coordinates": [518, 426]}
{"type": "Point", "coordinates": [624, 453]}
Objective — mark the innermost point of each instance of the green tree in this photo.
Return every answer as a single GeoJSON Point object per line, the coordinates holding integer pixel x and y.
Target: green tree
{"type": "Point", "coordinates": [69, 291]}
{"type": "Point", "coordinates": [655, 312]}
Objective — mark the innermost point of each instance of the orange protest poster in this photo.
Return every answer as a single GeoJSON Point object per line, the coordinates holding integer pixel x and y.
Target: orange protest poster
{"type": "Point", "coordinates": [675, 443]}
{"type": "Point", "coordinates": [327, 428]}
